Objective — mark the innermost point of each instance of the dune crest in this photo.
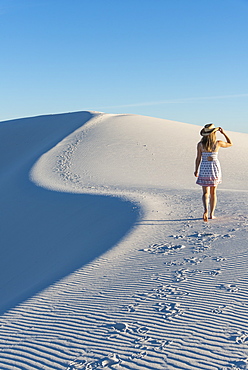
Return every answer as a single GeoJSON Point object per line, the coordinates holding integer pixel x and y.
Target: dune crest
{"type": "Point", "coordinates": [129, 151]}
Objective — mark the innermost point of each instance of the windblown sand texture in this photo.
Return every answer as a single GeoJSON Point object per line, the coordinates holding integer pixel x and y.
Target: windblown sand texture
{"type": "Point", "coordinates": [105, 260]}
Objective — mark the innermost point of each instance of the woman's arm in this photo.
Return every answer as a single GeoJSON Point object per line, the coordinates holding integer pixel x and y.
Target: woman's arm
{"type": "Point", "coordinates": [228, 142]}
{"type": "Point", "coordinates": [198, 159]}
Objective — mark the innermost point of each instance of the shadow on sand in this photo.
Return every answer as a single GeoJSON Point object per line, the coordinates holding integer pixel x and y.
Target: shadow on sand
{"type": "Point", "coordinates": [165, 222]}
{"type": "Point", "coordinates": [46, 235]}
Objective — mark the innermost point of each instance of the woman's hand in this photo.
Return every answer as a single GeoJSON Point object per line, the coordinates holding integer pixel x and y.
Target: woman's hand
{"type": "Point", "coordinates": [228, 140]}
{"type": "Point", "coordinates": [196, 173]}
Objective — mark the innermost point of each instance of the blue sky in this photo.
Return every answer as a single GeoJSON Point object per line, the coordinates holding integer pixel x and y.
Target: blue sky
{"type": "Point", "coordinates": [184, 60]}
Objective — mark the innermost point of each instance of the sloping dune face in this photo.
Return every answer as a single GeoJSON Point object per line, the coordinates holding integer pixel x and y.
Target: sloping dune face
{"type": "Point", "coordinates": [111, 250]}
{"type": "Point", "coordinates": [123, 151]}
{"type": "Point", "coordinates": [45, 235]}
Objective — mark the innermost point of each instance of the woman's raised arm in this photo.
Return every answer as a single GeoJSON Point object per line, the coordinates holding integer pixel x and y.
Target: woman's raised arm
{"type": "Point", "coordinates": [228, 142]}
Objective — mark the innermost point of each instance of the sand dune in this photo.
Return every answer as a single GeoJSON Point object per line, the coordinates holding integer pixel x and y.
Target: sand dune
{"type": "Point", "coordinates": [106, 262]}
{"type": "Point", "coordinates": [135, 151]}
{"type": "Point", "coordinates": [40, 242]}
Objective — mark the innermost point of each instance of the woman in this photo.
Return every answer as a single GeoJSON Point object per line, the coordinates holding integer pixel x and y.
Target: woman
{"type": "Point", "coordinates": [209, 175]}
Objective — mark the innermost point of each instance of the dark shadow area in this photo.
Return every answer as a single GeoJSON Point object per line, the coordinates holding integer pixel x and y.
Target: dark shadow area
{"type": "Point", "coordinates": [47, 235]}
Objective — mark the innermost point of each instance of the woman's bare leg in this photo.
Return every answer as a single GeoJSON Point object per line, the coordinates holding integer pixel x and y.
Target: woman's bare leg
{"type": "Point", "coordinates": [213, 200]}
{"type": "Point", "coordinates": [205, 199]}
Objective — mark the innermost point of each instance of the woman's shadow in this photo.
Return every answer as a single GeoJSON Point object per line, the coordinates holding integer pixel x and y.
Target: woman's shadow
{"type": "Point", "coordinates": [165, 222]}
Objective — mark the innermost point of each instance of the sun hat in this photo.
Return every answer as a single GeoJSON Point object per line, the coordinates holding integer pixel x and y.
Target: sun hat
{"type": "Point", "coordinates": [208, 129]}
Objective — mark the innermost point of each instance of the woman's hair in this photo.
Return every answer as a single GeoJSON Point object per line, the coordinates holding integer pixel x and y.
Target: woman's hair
{"type": "Point", "coordinates": [209, 142]}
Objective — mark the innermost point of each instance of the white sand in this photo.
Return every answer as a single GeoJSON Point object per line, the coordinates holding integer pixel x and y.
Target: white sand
{"type": "Point", "coordinates": [105, 261]}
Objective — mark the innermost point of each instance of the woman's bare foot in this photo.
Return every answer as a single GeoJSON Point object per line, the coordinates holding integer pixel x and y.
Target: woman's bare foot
{"type": "Point", "coordinates": [205, 217]}
{"type": "Point", "coordinates": [212, 217]}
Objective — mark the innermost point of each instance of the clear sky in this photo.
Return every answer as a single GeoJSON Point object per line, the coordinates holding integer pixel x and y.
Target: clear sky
{"type": "Point", "coordinates": [184, 60]}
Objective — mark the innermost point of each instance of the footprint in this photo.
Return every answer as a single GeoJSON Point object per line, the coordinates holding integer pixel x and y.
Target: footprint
{"type": "Point", "coordinates": [143, 342]}
{"type": "Point", "coordinates": [219, 259]}
{"type": "Point", "coordinates": [120, 327]}
{"type": "Point", "coordinates": [200, 247]}
{"type": "Point", "coordinates": [83, 364]}
{"type": "Point", "coordinates": [166, 291]}
{"type": "Point", "coordinates": [110, 360]}
{"type": "Point", "coordinates": [227, 236]}
{"type": "Point", "coordinates": [130, 307]}
{"type": "Point", "coordinates": [215, 272]}
{"type": "Point", "coordinates": [162, 345]}
{"type": "Point", "coordinates": [174, 263]}
{"type": "Point", "coordinates": [184, 274]}
{"type": "Point", "coordinates": [77, 364]}
{"type": "Point", "coordinates": [218, 310]}
{"type": "Point", "coordinates": [117, 327]}
{"type": "Point", "coordinates": [164, 248]}
{"type": "Point", "coordinates": [177, 236]}
{"type": "Point", "coordinates": [138, 355]}
{"type": "Point", "coordinates": [237, 365]}
{"type": "Point", "coordinates": [229, 287]}
{"type": "Point", "coordinates": [194, 260]}
{"type": "Point", "coordinates": [203, 236]}
{"type": "Point", "coordinates": [241, 337]}
{"type": "Point", "coordinates": [169, 310]}
{"type": "Point", "coordinates": [146, 343]}
{"type": "Point", "coordinates": [181, 275]}
{"type": "Point", "coordinates": [142, 330]}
